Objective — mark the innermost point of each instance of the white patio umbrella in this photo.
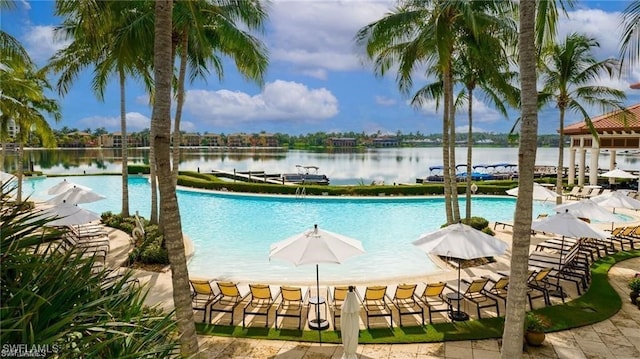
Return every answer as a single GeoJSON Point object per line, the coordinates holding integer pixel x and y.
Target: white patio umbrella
{"type": "Point", "coordinates": [618, 173]}
{"type": "Point", "coordinates": [588, 208]}
{"type": "Point", "coordinates": [70, 215]}
{"type": "Point", "coordinates": [313, 247]}
{"type": "Point", "coordinates": [76, 195]}
{"type": "Point", "coordinates": [616, 199]}
{"type": "Point", "coordinates": [64, 186]}
{"type": "Point", "coordinates": [567, 224]}
{"type": "Point", "coordinates": [462, 242]}
{"type": "Point", "coordinates": [540, 193]}
{"type": "Point", "coordinates": [350, 324]}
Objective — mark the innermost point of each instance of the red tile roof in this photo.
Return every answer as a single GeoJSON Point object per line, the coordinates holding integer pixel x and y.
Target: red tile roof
{"type": "Point", "coordinates": [609, 122]}
{"type": "Point", "coordinates": [635, 86]}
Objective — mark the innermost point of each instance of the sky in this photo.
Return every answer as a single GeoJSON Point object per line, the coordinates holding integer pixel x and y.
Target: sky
{"type": "Point", "coordinates": [317, 79]}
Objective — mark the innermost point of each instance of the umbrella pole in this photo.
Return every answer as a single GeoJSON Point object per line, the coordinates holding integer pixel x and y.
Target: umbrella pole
{"type": "Point", "coordinates": [318, 305]}
{"type": "Point", "coordinates": [558, 292]}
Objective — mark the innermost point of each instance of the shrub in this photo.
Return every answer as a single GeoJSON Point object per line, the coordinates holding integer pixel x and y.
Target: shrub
{"type": "Point", "coordinates": [634, 284]}
{"type": "Point", "coordinates": [478, 223]}
{"type": "Point", "coordinates": [150, 250]}
{"type": "Point", "coordinates": [536, 322]}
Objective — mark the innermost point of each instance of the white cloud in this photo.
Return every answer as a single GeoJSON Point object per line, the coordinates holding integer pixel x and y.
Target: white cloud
{"type": "Point", "coordinates": [320, 34]}
{"type": "Point", "coordinates": [41, 43]}
{"type": "Point", "coordinates": [279, 101]}
{"type": "Point", "coordinates": [603, 26]}
{"type": "Point", "coordinates": [385, 101]}
{"type": "Point", "coordinates": [135, 122]}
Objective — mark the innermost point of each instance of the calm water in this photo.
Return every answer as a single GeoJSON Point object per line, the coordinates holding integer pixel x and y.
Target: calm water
{"type": "Point", "coordinates": [232, 234]}
{"type": "Point", "coordinates": [400, 165]}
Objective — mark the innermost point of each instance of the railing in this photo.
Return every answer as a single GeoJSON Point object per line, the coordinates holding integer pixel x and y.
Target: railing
{"type": "Point", "coordinates": [301, 192]}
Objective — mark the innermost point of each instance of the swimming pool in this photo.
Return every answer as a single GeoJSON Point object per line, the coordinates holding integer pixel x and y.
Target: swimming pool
{"type": "Point", "coordinates": [232, 234]}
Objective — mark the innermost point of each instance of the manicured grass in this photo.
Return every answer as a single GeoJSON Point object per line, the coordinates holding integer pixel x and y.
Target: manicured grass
{"type": "Point", "coordinates": [599, 303]}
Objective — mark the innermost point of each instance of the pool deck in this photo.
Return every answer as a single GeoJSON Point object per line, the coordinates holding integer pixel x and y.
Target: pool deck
{"type": "Point", "coordinates": [616, 337]}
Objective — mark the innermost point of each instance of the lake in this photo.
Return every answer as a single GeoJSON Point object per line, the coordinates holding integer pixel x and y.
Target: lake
{"type": "Point", "coordinates": [343, 167]}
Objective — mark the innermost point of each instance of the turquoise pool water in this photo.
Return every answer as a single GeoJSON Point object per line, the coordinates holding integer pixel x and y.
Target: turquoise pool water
{"type": "Point", "coordinates": [232, 233]}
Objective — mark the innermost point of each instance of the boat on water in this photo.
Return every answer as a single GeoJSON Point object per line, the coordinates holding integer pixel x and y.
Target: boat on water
{"type": "Point", "coordinates": [481, 172]}
{"type": "Point", "coordinates": [306, 175]}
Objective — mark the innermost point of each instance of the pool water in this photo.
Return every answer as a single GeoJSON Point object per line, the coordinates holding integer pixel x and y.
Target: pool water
{"type": "Point", "coordinates": [232, 233]}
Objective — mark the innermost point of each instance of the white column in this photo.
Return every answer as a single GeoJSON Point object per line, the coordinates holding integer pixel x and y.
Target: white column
{"type": "Point", "coordinates": [581, 166]}
{"type": "Point", "coordinates": [572, 166]}
{"type": "Point", "coordinates": [612, 164]}
{"type": "Point", "coordinates": [593, 166]}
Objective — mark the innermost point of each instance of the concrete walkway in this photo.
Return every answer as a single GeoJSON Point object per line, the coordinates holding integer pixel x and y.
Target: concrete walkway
{"type": "Point", "coordinates": [617, 337]}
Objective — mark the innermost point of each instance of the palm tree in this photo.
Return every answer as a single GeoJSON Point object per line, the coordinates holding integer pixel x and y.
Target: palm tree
{"type": "Point", "coordinates": [630, 41]}
{"type": "Point", "coordinates": [538, 21]}
{"type": "Point", "coordinates": [516, 306]}
{"type": "Point", "coordinates": [567, 72]}
{"type": "Point", "coordinates": [113, 45]}
{"type": "Point", "coordinates": [205, 30]}
{"type": "Point", "coordinates": [169, 211]}
{"type": "Point", "coordinates": [419, 34]}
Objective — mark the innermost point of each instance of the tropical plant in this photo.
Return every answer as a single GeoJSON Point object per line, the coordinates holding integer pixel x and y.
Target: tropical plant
{"type": "Point", "coordinates": [537, 322]}
{"type": "Point", "coordinates": [58, 300]}
{"type": "Point", "coordinates": [630, 41]}
{"type": "Point", "coordinates": [113, 43]}
{"type": "Point", "coordinates": [634, 284]}
{"type": "Point", "coordinates": [418, 35]}
{"type": "Point", "coordinates": [567, 73]}
{"type": "Point", "coordinates": [169, 212]}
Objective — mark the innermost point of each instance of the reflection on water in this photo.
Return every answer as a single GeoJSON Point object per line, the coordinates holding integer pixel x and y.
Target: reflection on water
{"type": "Point", "coordinates": [342, 166]}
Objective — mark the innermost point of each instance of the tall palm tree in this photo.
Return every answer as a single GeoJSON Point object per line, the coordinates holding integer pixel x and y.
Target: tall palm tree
{"type": "Point", "coordinates": [169, 211]}
{"type": "Point", "coordinates": [568, 70]}
{"type": "Point", "coordinates": [204, 30]}
{"type": "Point", "coordinates": [419, 34]}
{"type": "Point", "coordinates": [516, 306]}
{"type": "Point", "coordinates": [112, 44]}
{"type": "Point", "coordinates": [538, 22]}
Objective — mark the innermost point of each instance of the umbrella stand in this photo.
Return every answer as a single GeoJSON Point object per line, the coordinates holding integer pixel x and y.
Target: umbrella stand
{"type": "Point", "coordinates": [458, 315]}
{"type": "Point", "coordinates": [318, 323]}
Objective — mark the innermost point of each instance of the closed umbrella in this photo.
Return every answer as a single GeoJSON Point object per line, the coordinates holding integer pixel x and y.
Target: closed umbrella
{"type": "Point", "coordinates": [540, 193]}
{"type": "Point", "coordinates": [64, 186]}
{"type": "Point", "coordinates": [313, 247]}
{"type": "Point", "coordinates": [462, 242]}
{"type": "Point", "coordinates": [76, 195]}
{"type": "Point", "coordinates": [350, 324]}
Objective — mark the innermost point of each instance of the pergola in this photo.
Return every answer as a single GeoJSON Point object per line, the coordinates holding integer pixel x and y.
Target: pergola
{"type": "Point", "coordinates": [614, 136]}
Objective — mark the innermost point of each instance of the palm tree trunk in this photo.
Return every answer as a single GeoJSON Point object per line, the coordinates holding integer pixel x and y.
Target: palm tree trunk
{"type": "Point", "coordinates": [125, 147]}
{"type": "Point", "coordinates": [19, 172]}
{"type": "Point", "coordinates": [446, 148]}
{"type": "Point", "coordinates": [560, 168]}
{"type": "Point", "coordinates": [514, 322]}
{"type": "Point", "coordinates": [455, 210]}
{"type": "Point", "coordinates": [169, 212]}
{"type": "Point", "coordinates": [153, 179]}
{"type": "Point", "coordinates": [179, 104]}
{"type": "Point", "coordinates": [469, 154]}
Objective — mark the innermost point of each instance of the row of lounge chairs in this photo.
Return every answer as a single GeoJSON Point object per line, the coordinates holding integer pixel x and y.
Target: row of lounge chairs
{"type": "Point", "coordinates": [377, 301]}
{"type": "Point", "coordinates": [87, 241]}
{"type": "Point", "coordinates": [586, 192]}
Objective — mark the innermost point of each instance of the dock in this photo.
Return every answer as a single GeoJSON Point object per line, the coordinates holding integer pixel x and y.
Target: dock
{"type": "Point", "coordinates": [252, 176]}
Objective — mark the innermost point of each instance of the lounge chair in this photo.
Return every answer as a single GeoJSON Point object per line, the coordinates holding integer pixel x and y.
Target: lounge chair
{"type": "Point", "coordinates": [375, 304]}
{"type": "Point", "coordinates": [292, 304]}
{"type": "Point", "coordinates": [575, 192]}
{"type": "Point", "coordinates": [498, 287]}
{"type": "Point", "coordinates": [476, 293]}
{"type": "Point", "coordinates": [434, 300]}
{"type": "Point", "coordinates": [566, 265]}
{"type": "Point", "coordinates": [336, 300]}
{"type": "Point", "coordinates": [260, 303]}
{"type": "Point", "coordinates": [202, 295]}
{"type": "Point", "coordinates": [228, 299]}
{"type": "Point", "coordinates": [538, 281]}
{"type": "Point", "coordinates": [404, 299]}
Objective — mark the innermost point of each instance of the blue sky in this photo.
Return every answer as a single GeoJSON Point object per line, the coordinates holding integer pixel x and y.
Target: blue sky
{"type": "Point", "coordinates": [315, 81]}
